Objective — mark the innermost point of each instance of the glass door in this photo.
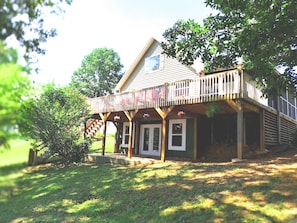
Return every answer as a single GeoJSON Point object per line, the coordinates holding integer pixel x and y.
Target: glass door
{"type": "Point", "coordinates": [150, 139]}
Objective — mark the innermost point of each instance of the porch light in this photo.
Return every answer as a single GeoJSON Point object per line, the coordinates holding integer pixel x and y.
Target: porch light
{"type": "Point", "coordinates": [181, 113]}
{"type": "Point", "coordinates": [146, 115]}
{"type": "Point", "coordinates": [116, 118]}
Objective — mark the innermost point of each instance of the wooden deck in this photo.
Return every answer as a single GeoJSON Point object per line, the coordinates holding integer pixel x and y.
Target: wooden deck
{"type": "Point", "coordinates": [215, 87]}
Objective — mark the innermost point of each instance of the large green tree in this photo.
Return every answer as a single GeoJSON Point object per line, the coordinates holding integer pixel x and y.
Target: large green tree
{"type": "Point", "coordinates": [54, 119]}
{"type": "Point", "coordinates": [261, 33]}
{"type": "Point", "coordinates": [14, 86]}
{"type": "Point", "coordinates": [24, 20]}
{"type": "Point", "coordinates": [98, 74]}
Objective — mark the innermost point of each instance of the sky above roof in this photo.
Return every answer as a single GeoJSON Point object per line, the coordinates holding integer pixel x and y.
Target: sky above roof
{"type": "Point", "coordinates": [124, 26]}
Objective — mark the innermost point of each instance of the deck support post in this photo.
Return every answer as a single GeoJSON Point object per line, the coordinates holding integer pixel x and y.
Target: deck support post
{"type": "Point", "coordinates": [104, 117]}
{"type": "Point", "coordinates": [163, 145]}
{"type": "Point", "coordinates": [130, 115]}
{"type": "Point", "coordinates": [117, 136]}
{"type": "Point", "coordinates": [262, 133]}
{"type": "Point", "coordinates": [137, 135]}
{"type": "Point", "coordinates": [163, 112]}
{"type": "Point", "coordinates": [239, 130]}
{"type": "Point", "coordinates": [279, 141]}
{"type": "Point", "coordinates": [238, 107]}
{"type": "Point", "coordinates": [195, 138]}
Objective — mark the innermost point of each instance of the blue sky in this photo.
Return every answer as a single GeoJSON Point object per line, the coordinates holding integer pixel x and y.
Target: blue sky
{"type": "Point", "coordinates": [123, 25]}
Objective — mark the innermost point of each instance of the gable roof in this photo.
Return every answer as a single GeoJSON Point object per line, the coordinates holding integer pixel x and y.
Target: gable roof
{"type": "Point", "coordinates": [134, 65]}
{"type": "Point", "coordinates": [132, 68]}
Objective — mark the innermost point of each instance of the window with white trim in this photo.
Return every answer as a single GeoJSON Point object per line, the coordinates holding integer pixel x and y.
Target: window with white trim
{"type": "Point", "coordinates": [125, 133]}
{"type": "Point", "coordinates": [177, 135]}
{"type": "Point", "coordinates": [154, 63]}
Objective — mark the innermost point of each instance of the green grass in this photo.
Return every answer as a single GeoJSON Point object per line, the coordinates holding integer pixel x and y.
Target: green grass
{"type": "Point", "coordinates": [12, 164]}
{"type": "Point", "coordinates": [109, 145]}
{"type": "Point", "coordinates": [162, 192]}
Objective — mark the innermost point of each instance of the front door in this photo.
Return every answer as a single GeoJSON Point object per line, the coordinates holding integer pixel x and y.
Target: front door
{"type": "Point", "coordinates": [150, 139]}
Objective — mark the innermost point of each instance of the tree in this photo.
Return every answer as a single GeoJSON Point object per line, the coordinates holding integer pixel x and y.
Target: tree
{"type": "Point", "coordinates": [14, 86]}
{"type": "Point", "coordinates": [261, 33]}
{"type": "Point", "coordinates": [55, 120]}
{"type": "Point", "coordinates": [18, 18]}
{"type": "Point", "coordinates": [98, 74]}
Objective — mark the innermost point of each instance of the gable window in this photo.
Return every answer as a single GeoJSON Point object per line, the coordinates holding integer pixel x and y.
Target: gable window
{"type": "Point", "coordinates": [153, 63]}
{"type": "Point", "coordinates": [177, 135]}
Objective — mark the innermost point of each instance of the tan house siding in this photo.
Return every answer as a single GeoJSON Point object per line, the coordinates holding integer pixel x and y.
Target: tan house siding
{"type": "Point", "coordinates": [171, 71]}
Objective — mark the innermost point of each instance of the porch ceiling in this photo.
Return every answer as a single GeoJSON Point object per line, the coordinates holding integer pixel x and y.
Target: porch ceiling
{"type": "Point", "coordinates": [189, 109]}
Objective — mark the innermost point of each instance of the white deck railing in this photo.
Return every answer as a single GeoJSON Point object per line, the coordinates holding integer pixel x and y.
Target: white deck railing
{"type": "Point", "coordinates": [214, 87]}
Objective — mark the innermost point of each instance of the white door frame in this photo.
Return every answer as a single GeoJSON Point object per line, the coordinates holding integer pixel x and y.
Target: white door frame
{"type": "Point", "coordinates": [150, 150]}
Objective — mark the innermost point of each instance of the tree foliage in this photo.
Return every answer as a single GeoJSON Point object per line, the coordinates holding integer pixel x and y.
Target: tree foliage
{"type": "Point", "coordinates": [98, 74]}
{"type": "Point", "coordinates": [14, 86]}
{"type": "Point", "coordinates": [262, 33]}
{"type": "Point", "coordinates": [54, 119]}
{"type": "Point", "coordinates": [24, 20]}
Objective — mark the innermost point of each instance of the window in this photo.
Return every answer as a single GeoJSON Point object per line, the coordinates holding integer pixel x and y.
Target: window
{"type": "Point", "coordinates": [177, 135]}
{"type": "Point", "coordinates": [126, 134]}
{"type": "Point", "coordinates": [153, 63]}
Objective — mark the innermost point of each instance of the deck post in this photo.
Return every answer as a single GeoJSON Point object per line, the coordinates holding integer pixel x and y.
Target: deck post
{"type": "Point", "coordinates": [130, 139]}
{"type": "Point", "coordinates": [137, 135]}
{"type": "Point", "coordinates": [278, 121]}
{"type": "Point", "coordinates": [104, 138]}
{"type": "Point", "coordinates": [262, 131]}
{"type": "Point", "coordinates": [117, 136]}
{"type": "Point", "coordinates": [163, 112]}
{"type": "Point", "coordinates": [239, 129]}
{"type": "Point", "coordinates": [238, 107]}
{"type": "Point", "coordinates": [130, 115]}
{"type": "Point", "coordinates": [104, 117]}
{"type": "Point", "coordinates": [164, 133]}
{"type": "Point", "coordinates": [195, 138]}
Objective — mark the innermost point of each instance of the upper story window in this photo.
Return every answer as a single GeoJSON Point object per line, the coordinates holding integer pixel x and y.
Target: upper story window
{"type": "Point", "coordinates": [153, 63]}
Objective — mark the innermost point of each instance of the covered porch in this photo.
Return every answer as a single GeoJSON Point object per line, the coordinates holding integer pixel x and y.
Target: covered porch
{"type": "Point", "coordinates": [182, 99]}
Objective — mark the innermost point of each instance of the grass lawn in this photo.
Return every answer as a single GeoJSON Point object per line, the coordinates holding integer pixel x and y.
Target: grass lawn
{"type": "Point", "coordinates": [253, 191]}
{"type": "Point", "coordinates": [109, 145]}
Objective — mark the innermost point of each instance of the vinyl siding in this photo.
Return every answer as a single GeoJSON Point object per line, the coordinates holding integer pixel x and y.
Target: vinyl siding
{"type": "Point", "coordinates": [171, 71]}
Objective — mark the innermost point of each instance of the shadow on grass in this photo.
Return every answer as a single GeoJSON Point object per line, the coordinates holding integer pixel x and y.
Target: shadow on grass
{"type": "Point", "coordinates": [170, 192]}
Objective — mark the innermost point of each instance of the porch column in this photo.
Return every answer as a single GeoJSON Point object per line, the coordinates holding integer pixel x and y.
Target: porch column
{"type": "Point", "coordinates": [278, 120]}
{"type": "Point", "coordinates": [130, 139]}
{"type": "Point", "coordinates": [163, 112]}
{"type": "Point", "coordinates": [238, 107]}
{"type": "Point", "coordinates": [195, 138]}
{"type": "Point", "coordinates": [116, 145]}
{"type": "Point", "coordinates": [137, 134]}
{"type": "Point", "coordinates": [130, 115]}
{"type": "Point", "coordinates": [239, 130]}
{"type": "Point", "coordinates": [104, 117]}
{"type": "Point", "coordinates": [104, 138]}
{"type": "Point", "coordinates": [262, 131]}
{"type": "Point", "coordinates": [163, 146]}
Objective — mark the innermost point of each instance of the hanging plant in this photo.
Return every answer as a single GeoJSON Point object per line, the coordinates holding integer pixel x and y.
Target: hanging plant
{"type": "Point", "coordinates": [212, 109]}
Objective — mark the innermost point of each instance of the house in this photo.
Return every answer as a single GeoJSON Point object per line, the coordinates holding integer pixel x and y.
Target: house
{"type": "Point", "coordinates": [165, 109]}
